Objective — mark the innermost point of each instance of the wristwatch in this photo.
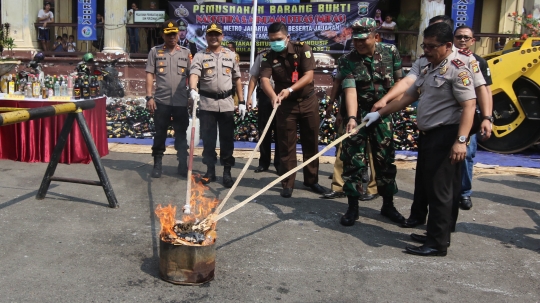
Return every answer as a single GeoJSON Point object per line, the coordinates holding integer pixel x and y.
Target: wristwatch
{"type": "Point", "coordinates": [242, 102]}
{"type": "Point", "coordinates": [352, 117]}
{"type": "Point", "coordinates": [490, 118]}
{"type": "Point", "coordinates": [462, 139]}
{"type": "Point", "coordinates": [149, 97]}
{"type": "Point", "coordinates": [290, 90]}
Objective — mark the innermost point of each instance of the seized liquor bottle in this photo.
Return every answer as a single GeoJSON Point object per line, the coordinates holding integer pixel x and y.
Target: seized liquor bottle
{"type": "Point", "coordinates": [86, 89]}
{"type": "Point", "coordinates": [11, 85]}
{"type": "Point", "coordinates": [77, 92]}
{"type": "Point", "coordinates": [93, 87]}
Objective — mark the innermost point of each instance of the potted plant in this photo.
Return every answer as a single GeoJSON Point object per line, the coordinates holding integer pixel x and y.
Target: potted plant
{"type": "Point", "coordinates": [405, 55]}
{"type": "Point", "coordinates": [6, 42]}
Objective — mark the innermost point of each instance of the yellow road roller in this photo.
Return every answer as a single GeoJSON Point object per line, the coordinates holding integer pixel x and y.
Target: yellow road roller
{"type": "Point", "coordinates": [516, 96]}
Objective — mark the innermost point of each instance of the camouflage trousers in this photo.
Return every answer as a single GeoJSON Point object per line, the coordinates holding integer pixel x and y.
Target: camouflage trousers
{"type": "Point", "coordinates": [354, 157]}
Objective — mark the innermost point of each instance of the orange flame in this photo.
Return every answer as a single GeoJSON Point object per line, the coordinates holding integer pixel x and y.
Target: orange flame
{"type": "Point", "coordinates": [166, 217]}
{"type": "Point", "coordinates": [201, 206]}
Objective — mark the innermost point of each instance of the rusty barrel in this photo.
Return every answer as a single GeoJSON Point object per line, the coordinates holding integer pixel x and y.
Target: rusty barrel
{"type": "Point", "coordinates": [187, 265]}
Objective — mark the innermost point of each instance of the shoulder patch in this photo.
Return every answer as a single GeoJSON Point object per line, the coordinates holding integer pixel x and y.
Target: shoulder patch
{"type": "Point", "coordinates": [465, 52]}
{"type": "Point", "coordinates": [458, 63]}
{"type": "Point", "coordinates": [308, 54]}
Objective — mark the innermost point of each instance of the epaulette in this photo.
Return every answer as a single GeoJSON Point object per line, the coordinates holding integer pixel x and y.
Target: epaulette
{"type": "Point", "coordinates": [465, 52]}
{"type": "Point", "coordinates": [458, 63]}
{"type": "Point", "coordinates": [301, 43]}
{"type": "Point", "coordinates": [183, 47]}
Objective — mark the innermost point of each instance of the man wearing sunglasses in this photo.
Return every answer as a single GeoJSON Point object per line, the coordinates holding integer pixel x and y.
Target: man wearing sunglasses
{"type": "Point", "coordinates": [169, 65]}
{"type": "Point", "coordinates": [447, 101]}
{"type": "Point", "coordinates": [419, 207]}
{"type": "Point", "coordinates": [464, 39]}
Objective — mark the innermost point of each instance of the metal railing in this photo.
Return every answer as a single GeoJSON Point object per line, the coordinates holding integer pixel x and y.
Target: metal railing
{"type": "Point", "coordinates": [58, 29]}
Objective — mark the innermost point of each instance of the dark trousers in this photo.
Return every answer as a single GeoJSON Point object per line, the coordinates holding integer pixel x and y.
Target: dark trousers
{"type": "Point", "coordinates": [306, 114]}
{"type": "Point", "coordinates": [264, 106]}
{"type": "Point", "coordinates": [437, 183]}
{"type": "Point", "coordinates": [210, 121]}
{"type": "Point", "coordinates": [180, 122]}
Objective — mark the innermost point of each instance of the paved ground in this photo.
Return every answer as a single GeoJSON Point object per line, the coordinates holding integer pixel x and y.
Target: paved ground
{"type": "Point", "coordinates": [71, 247]}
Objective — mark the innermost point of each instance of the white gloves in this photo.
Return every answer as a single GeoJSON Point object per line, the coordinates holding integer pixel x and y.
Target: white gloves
{"type": "Point", "coordinates": [371, 117]}
{"type": "Point", "coordinates": [242, 110]}
{"type": "Point", "coordinates": [194, 95]}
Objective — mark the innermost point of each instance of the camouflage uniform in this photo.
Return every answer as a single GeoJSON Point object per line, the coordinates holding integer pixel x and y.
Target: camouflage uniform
{"type": "Point", "coordinates": [372, 77]}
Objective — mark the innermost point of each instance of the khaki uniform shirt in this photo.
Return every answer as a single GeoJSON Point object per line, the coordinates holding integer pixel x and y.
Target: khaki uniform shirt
{"type": "Point", "coordinates": [469, 61]}
{"type": "Point", "coordinates": [216, 75]}
{"type": "Point", "coordinates": [171, 71]}
{"type": "Point", "coordinates": [280, 67]}
{"type": "Point", "coordinates": [440, 90]}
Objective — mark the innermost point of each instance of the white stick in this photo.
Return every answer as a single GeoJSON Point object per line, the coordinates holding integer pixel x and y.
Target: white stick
{"type": "Point", "coordinates": [187, 206]}
{"type": "Point", "coordinates": [220, 206]}
{"type": "Point", "coordinates": [246, 201]}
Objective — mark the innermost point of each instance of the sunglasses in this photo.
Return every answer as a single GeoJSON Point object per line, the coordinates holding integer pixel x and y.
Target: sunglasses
{"type": "Point", "coordinates": [430, 46]}
{"type": "Point", "coordinates": [462, 37]}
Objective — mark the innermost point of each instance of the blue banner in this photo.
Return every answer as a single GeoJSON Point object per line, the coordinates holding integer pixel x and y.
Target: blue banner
{"type": "Point", "coordinates": [325, 26]}
{"type": "Point", "coordinates": [463, 12]}
{"type": "Point", "coordinates": [86, 16]}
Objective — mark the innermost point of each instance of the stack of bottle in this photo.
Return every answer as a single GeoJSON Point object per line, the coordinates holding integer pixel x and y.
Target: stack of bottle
{"type": "Point", "coordinates": [131, 119]}
{"type": "Point", "coordinates": [405, 129]}
{"type": "Point", "coordinates": [76, 87]}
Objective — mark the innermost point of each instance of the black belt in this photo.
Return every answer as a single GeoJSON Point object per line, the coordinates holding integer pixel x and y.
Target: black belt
{"type": "Point", "coordinates": [217, 96]}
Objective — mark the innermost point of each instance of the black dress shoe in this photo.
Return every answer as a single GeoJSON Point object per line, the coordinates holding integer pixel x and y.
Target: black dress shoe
{"type": "Point", "coordinates": [465, 203]}
{"type": "Point", "coordinates": [391, 213]}
{"type": "Point", "coordinates": [261, 169]}
{"type": "Point", "coordinates": [423, 238]}
{"type": "Point", "coordinates": [424, 251]}
{"type": "Point", "coordinates": [286, 192]}
{"type": "Point", "coordinates": [316, 188]}
{"type": "Point", "coordinates": [207, 178]}
{"type": "Point", "coordinates": [333, 195]}
{"type": "Point", "coordinates": [412, 222]}
{"type": "Point", "coordinates": [368, 197]}
{"type": "Point", "coordinates": [419, 238]}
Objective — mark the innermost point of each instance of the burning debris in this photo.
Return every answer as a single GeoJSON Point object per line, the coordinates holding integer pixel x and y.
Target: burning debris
{"type": "Point", "coordinates": [192, 229]}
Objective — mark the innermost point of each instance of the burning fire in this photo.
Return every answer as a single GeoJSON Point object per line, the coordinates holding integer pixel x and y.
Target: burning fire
{"type": "Point", "coordinates": [185, 231]}
{"type": "Point", "coordinates": [201, 206]}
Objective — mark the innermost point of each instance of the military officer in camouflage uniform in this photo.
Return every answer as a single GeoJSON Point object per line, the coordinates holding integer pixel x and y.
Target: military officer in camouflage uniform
{"type": "Point", "coordinates": [367, 73]}
{"type": "Point", "coordinates": [446, 93]}
{"type": "Point", "coordinates": [217, 69]}
{"type": "Point", "coordinates": [169, 64]}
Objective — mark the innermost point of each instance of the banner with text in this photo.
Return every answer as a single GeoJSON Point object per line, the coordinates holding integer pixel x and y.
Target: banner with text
{"type": "Point", "coordinates": [463, 12]}
{"type": "Point", "coordinates": [326, 27]}
{"type": "Point", "coordinates": [86, 20]}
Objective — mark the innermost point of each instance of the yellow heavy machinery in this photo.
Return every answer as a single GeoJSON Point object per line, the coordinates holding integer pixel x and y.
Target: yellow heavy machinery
{"type": "Point", "coordinates": [516, 96]}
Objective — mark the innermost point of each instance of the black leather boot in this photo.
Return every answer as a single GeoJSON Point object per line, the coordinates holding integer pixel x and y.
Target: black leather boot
{"type": "Point", "coordinates": [228, 181]}
{"type": "Point", "coordinates": [210, 175]}
{"type": "Point", "coordinates": [389, 210]}
{"type": "Point", "coordinates": [182, 167]}
{"type": "Point", "coordinates": [158, 166]}
{"type": "Point", "coordinates": [351, 215]}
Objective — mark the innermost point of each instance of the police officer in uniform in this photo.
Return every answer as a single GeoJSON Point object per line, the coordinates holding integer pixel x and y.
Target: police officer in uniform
{"type": "Point", "coordinates": [291, 66]}
{"type": "Point", "coordinates": [367, 73]}
{"type": "Point", "coordinates": [419, 207]}
{"type": "Point", "coordinates": [182, 39]}
{"type": "Point", "coordinates": [169, 65]}
{"type": "Point", "coordinates": [216, 69]}
{"type": "Point", "coordinates": [447, 101]}
{"type": "Point", "coordinates": [264, 106]}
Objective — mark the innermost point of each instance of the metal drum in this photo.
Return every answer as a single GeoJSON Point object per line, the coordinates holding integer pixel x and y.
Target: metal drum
{"type": "Point", "coordinates": [187, 265]}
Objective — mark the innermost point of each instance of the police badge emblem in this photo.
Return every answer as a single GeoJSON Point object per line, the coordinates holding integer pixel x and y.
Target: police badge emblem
{"type": "Point", "coordinates": [363, 8]}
